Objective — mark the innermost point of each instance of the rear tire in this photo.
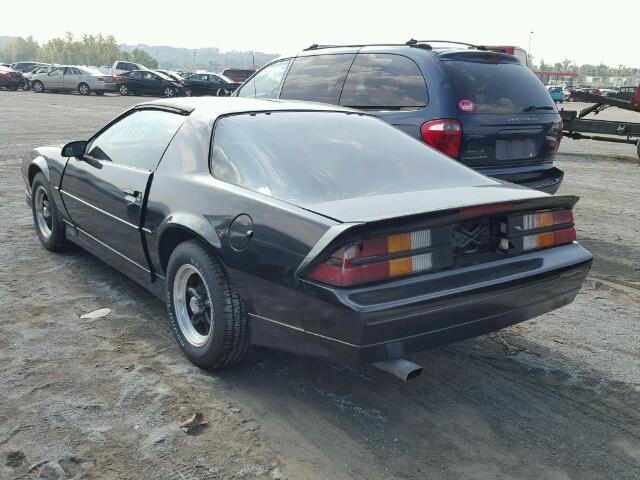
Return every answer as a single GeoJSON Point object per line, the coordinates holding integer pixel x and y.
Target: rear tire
{"type": "Point", "coordinates": [46, 218]}
{"type": "Point", "coordinates": [169, 92]}
{"type": "Point", "coordinates": [124, 90]}
{"type": "Point", "coordinates": [207, 317]}
{"type": "Point", "coordinates": [84, 89]}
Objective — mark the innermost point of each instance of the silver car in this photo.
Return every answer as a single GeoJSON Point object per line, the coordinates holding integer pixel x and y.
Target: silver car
{"type": "Point", "coordinates": [36, 71]}
{"type": "Point", "coordinates": [83, 80]}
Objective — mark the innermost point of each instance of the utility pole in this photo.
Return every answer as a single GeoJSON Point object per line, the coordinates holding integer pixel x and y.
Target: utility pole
{"type": "Point", "coordinates": [529, 56]}
{"type": "Point", "coordinates": [194, 60]}
{"type": "Point", "coordinates": [253, 59]}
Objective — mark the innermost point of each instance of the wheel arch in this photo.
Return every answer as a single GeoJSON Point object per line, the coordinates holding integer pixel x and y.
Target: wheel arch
{"type": "Point", "coordinates": [183, 227]}
{"type": "Point", "coordinates": [38, 165]}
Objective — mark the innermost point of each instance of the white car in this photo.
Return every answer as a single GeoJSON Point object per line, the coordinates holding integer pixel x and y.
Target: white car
{"type": "Point", "coordinates": [36, 71]}
{"type": "Point", "coordinates": [83, 80]}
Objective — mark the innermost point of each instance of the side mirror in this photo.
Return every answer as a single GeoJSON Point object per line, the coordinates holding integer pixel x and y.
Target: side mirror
{"type": "Point", "coordinates": [74, 149]}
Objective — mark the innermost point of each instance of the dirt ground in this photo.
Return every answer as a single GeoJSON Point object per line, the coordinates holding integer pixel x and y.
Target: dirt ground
{"type": "Point", "coordinates": [557, 397]}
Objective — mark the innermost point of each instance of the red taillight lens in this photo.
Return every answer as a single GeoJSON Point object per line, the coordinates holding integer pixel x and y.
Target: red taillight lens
{"type": "Point", "coordinates": [444, 135]}
{"type": "Point", "coordinates": [377, 259]}
{"type": "Point", "coordinates": [5, 74]}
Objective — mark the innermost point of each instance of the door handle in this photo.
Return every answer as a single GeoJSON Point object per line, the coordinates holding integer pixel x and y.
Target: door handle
{"type": "Point", "coordinates": [135, 194]}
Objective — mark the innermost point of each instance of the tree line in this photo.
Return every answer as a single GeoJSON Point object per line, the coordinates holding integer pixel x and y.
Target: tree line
{"type": "Point", "coordinates": [96, 50]}
{"type": "Point", "coordinates": [601, 70]}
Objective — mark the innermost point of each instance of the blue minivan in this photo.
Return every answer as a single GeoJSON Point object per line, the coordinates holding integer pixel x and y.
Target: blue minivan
{"type": "Point", "coordinates": [483, 108]}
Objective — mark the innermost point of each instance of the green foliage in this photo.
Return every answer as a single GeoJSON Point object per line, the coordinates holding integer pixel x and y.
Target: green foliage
{"type": "Point", "coordinates": [96, 50]}
{"type": "Point", "coordinates": [20, 49]}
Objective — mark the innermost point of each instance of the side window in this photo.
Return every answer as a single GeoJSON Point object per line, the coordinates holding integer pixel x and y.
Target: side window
{"type": "Point", "coordinates": [72, 71]}
{"type": "Point", "coordinates": [317, 78]}
{"type": "Point", "coordinates": [55, 72]}
{"type": "Point", "coordinates": [266, 83]}
{"type": "Point", "coordinates": [148, 76]}
{"type": "Point", "coordinates": [203, 78]}
{"type": "Point", "coordinates": [137, 140]}
{"type": "Point", "coordinates": [384, 81]}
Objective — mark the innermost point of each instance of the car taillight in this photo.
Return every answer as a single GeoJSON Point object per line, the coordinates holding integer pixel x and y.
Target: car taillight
{"type": "Point", "coordinates": [377, 259]}
{"type": "Point", "coordinates": [537, 230]}
{"type": "Point", "coordinates": [5, 74]}
{"type": "Point", "coordinates": [444, 135]}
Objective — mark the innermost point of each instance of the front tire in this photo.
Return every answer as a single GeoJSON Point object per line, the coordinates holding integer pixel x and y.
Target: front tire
{"type": "Point", "coordinates": [46, 218]}
{"type": "Point", "coordinates": [38, 87]}
{"type": "Point", "coordinates": [207, 317]}
{"type": "Point", "coordinates": [84, 89]}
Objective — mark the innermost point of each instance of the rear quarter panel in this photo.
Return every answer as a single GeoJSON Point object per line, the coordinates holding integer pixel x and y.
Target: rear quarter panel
{"type": "Point", "coordinates": [283, 234]}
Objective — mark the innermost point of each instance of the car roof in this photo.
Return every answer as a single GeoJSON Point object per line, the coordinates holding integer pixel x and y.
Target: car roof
{"type": "Point", "coordinates": [214, 107]}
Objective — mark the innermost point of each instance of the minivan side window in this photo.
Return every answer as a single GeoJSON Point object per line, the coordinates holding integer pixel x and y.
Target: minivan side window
{"type": "Point", "coordinates": [317, 78]}
{"type": "Point", "coordinates": [378, 81]}
{"type": "Point", "coordinates": [265, 83]}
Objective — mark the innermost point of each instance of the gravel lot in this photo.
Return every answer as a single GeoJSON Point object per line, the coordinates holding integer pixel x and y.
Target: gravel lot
{"type": "Point", "coordinates": [557, 397]}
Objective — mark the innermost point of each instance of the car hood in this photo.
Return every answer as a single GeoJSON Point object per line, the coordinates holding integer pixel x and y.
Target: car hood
{"type": "Point", "coordinates": [381, 207]}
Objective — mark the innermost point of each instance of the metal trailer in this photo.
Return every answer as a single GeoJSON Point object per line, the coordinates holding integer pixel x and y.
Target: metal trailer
{"type": "Point", "coordinates": [575, 125]}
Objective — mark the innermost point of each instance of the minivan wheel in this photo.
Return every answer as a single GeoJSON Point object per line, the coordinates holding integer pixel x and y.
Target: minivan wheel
{"type": "Point", "coordinates": [124, 90]}
{"type": "Point", "coordinates": [206, 315]}
{"type": "Point", "coordinates": [50, 229]}
{"type": "Point", "coordinates": [84, 89]}
{"type": "Point", "coordinates": [38, 87]}
{"type": "Point", "coordinates": [169, 92]}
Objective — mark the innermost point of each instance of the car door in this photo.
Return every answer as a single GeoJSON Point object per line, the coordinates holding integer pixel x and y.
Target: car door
{"type": "Point", "coordinates": [104, 191]}
{"type": "Point", "coordinates": [216, 84]}
{"type": "Point", "coordinates": [71, 78]}
{"type": "Point", "coordinates": [149, 83]}
{"type": "Point", "coordinates": [133, 80]}
{"type": "Point", "coordinates": [54, 80]}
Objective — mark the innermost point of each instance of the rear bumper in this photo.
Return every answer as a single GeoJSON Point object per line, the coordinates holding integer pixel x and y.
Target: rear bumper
{"type": "Point", "coordinates": [380, 323]}
{"type": "Point", "coordinates": [106, 87]}
{"type": "Point", "coordinates": [545, 178]}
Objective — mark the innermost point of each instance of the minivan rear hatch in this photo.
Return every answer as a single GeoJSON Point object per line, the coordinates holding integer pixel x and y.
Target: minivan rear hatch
{"type": "Point", "coordinates": [506, 114]}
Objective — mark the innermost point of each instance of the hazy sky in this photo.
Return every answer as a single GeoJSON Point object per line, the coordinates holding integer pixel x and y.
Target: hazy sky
{"type": "Point", "coordinates": [284, 26]}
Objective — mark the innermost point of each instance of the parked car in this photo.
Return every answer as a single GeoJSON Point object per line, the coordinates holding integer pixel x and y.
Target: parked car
{"type": "Point", "coordinates": [21, 66]}
{"type": "Point", "coordinates": [238, 74]}
{"type": "Point", "coordinates": [344, 239]}
{"type": "Point", "coordinates": [608, 92]}
{"type": "Point", "coordinates": [207, 83]}
{"type": "Point", "coordinates": [10, 79]}
{"type": "Point", "coordinates": [140, 82]}
{"type": "Point", "coordinates": [483, 108]}
{"type": "Point", "coordinates": [120, 66]}
{"type": "Point", "coordinates": [174, 75]}
{"type": "Point", "coordinates": [626, 93]}
{"type": "Point", "coordinates": [40, 69]}
{"type": "Point", "coordinates": [83, 80]}
{"type": "Point", "coordinates": [556, 93]}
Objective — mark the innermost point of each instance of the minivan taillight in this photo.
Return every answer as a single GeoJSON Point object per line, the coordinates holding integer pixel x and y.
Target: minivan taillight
{"type": "Point", "coordinates": [444, 135]}
{"type": "Point", "coordinates": [377, 259]}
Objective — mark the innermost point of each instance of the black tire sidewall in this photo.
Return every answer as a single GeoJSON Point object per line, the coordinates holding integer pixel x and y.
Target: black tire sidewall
{"type": "Point", "coordinates": [56, 240]}
{"type": "Point", "coordinates": [190, 253]}
{"type": "Point", "coordinates": [38, 89]}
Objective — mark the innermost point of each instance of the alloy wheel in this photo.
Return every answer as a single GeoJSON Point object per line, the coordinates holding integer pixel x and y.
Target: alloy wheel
{"type": "Point", "coordinates": [193, 307]}
{"type": "Point", "coordinates": [44, 218]}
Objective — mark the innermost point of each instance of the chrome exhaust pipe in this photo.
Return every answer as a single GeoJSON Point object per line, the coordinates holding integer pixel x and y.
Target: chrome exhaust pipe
{"type": "Point", "coordinates": [401, 368]}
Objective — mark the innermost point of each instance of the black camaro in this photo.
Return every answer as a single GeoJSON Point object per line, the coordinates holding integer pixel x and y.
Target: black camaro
{"type": "Point", "coordinates": [304, 227]}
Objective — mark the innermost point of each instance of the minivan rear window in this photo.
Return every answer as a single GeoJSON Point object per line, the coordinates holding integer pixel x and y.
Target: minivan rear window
{"type": "Point", "coordinates": [379, 81]}
{"type": "Point", "coordinates": [317, 78]}
{"type": "Point", "coordinates": [496, 88]}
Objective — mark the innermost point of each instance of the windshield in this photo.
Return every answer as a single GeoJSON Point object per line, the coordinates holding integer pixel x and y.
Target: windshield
{"type": "Point", "coordinates": [496, 88]}
{"type": "Point", "coordinates": [312, 157]}
{"type": "Point", "coordinates": [226, 79]}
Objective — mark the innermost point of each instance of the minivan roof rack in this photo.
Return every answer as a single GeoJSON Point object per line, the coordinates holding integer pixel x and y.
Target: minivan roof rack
{"type": "Point", "coordinates": [316, 46]}
{"type": "Point", "coordinates": [429, 42]}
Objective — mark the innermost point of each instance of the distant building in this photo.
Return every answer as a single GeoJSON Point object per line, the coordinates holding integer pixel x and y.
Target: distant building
{"type": "Point", "coordinates": [558, 78]}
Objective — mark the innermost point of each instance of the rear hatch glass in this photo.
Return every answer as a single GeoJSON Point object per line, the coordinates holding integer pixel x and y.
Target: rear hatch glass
{"type": "Point", "coordinates": [496, 88]}
{"type": "Point", "coordinates": [507, 115]}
